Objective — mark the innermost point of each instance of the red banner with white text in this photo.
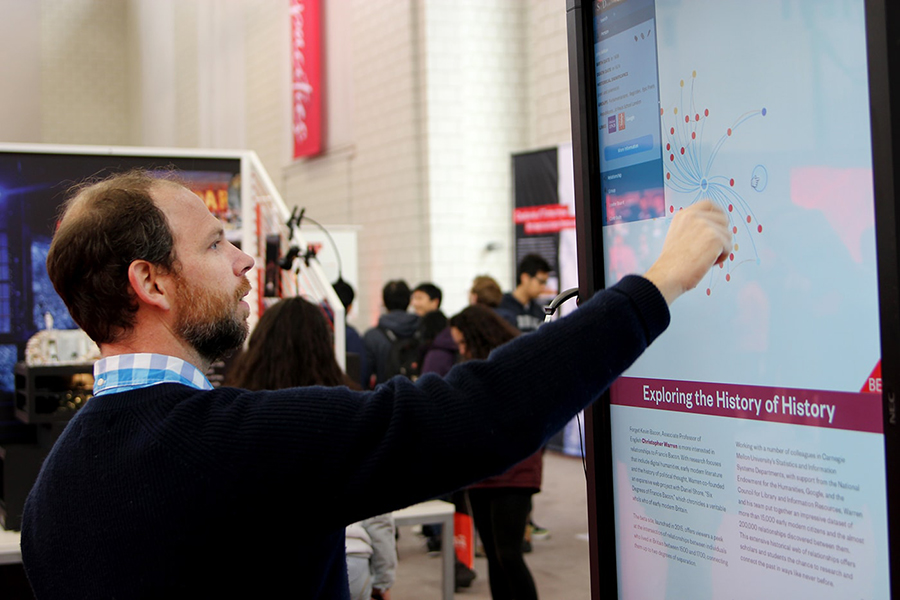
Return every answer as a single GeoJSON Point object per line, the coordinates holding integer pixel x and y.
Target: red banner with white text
{"type": "Point", "coordinates": [306, 78]}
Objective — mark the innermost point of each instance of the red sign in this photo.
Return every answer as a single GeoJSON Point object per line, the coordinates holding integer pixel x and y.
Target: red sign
{"type": "Point", "coordinates": [306, 78]}
{"type": "Point", "coordinates": [873, 383]}
{"type": "Point", "coordinates": [547, 218]}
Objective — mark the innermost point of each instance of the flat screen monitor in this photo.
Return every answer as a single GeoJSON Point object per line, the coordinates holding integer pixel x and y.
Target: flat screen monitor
{"type": "Point", "coordinates": [748, 452]}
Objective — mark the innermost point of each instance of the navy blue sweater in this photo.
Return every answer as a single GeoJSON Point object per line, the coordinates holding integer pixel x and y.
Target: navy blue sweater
{"type": "Point", "coordinates": [171, 492]}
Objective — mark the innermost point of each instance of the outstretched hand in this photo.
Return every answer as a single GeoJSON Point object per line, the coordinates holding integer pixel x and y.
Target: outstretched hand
{"type": "Point", "coordinates": [698, 238]}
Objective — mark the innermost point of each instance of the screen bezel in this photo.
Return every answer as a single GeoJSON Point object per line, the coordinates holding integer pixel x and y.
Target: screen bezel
{"type": "Point", "coordinates": [883, 49]}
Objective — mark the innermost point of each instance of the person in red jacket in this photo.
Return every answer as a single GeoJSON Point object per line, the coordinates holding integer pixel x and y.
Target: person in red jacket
{"type": "Point", "coordinates": [500, 504]}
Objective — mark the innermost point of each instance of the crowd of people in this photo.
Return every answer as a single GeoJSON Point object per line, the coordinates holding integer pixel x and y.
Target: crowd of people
{"type": "Point", "coordinates": [160, 476]}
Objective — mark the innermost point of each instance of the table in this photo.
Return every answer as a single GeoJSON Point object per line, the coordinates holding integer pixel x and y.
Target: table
{"type": "Point", "coordinates": [435, 511]}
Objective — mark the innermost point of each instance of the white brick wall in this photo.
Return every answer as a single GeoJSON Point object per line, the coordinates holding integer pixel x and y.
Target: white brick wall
{"type": "Point", "coordinates": [187, 111]}
{"type": "Point", "coordinates": [20, 73]}
{"type": "Point", "coordinates": [388, 197]}
{"type": "Point", "coordinates": [84, 75]}
{"type": "Point", "coordinates": [476, 118]}
{"type": "Point", "coordinates": [267, 75]}
{"type": "Point", "coordinates": [548, 75]}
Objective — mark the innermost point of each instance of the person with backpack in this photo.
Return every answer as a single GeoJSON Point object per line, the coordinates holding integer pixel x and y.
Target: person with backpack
{"type": "Point", "coordinates": [392, 347]}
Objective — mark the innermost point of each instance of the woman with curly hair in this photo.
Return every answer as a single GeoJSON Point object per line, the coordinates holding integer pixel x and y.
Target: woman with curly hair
{"type": "Point", "coordinates": [500, 504]}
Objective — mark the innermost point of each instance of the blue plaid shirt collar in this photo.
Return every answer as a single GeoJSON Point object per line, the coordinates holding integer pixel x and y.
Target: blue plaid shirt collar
{"type": "Point", "coordinates": [126, 372]}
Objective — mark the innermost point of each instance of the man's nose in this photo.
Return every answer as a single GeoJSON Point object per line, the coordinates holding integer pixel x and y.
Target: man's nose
{"type": "Point", "coordinates": [244, 263]}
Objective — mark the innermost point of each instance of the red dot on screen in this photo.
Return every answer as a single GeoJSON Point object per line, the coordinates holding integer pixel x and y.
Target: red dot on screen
{"type": "Point", "coordinates": [687, 119]}
{"type": "Point", "coordinates": [729, 131]}
{"type": "Point", "coordinates": [707, 291]}
{"type": "Point", "coordinates": [748, 218]}
{"type": "Point", "coordinates": [668, 146]}
{"type": "Point", "coordinates": [693, 135]}
{"type": "Point", "coordinates": [668, 176]}
{"type": "Point", "coordinates": [731, 183]}
{"type": "Point", "coordinates": [671, 209]}
{"type": "Point", "coordinates": [672, 130]}
{"type": "Point", "coordinates": [730, 207]}
{"type": "Point", "coordinates": [731, 256]}
{"type": "Point", "coordinates": [671, 157]}
{"type": "Point", "coordinates": [706, 113]}
{"type": "Point", "coordinates": [696, 117]}
{"type": "Point", "coordinates": [682, 150]}
{"type": "Point", "coordinates": [728, 277]}
{"type": "Point", "coordinates": [734, 229]}
{"type": "Point", "coordinates": [759, 229]}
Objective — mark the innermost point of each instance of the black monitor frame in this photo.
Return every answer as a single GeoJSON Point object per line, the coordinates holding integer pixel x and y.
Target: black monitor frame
{"type": "Point", "coordinates": [883, 48]}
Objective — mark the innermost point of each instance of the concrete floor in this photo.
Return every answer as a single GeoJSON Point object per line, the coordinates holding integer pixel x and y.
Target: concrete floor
{"type": "Point", "coordinates": [559, 564]}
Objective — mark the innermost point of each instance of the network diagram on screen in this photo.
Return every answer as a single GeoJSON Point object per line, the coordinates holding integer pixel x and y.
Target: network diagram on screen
{"type": "Point", "coordinates": [692, 174]}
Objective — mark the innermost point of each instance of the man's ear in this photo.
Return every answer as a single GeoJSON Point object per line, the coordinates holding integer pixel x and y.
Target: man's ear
{"type": "Point", "coordinates": [151, 285]}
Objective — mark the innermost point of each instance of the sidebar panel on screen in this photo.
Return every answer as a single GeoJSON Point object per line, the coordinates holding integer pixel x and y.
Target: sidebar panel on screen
{"type": "Point", "coordinates": [747, 443]}
{"type": "Point", "coordinates": [628, 111]}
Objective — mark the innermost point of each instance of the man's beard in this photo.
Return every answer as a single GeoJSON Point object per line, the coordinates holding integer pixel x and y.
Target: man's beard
{"type": "Point", "coordinates": [209, 321]}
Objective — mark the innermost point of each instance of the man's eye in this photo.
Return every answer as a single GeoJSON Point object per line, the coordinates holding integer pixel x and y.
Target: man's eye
{"type": "Point", "coordinates": [215, 246]}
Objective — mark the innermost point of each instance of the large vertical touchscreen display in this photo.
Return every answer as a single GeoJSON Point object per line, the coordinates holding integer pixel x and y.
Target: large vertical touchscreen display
{"type": "Point", "coordinates": [748, 447]}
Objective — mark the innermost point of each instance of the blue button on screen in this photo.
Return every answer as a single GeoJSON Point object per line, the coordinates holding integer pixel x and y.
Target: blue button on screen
{"type": "Point", "coordinates": [641, 144]}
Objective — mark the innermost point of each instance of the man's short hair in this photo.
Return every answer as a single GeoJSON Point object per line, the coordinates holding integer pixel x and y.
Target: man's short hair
{"type": "Point", "coordinates": [396, 295]}
{"type": "Point", "coordinates": [104, 227]}
{"type": "Point", "coordinates": [487, 291]}
{"type": "Point", "coordinates": [532, 264]}
{"type": "Point", "coordinates": [344, 292]}
{"type": "Point", "coordinates": [433, 291]}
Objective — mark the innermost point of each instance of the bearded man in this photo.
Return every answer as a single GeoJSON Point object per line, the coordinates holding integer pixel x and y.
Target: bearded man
{"type": "Point", "coordinates": [162, 487]}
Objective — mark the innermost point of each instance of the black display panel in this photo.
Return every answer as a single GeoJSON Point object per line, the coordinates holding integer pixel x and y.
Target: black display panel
{"type": "Point", "coordinates": [746, 454]}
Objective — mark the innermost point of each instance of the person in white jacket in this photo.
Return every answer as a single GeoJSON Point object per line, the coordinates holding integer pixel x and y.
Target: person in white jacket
{"type": "Point", "coordinates": [372, 557]}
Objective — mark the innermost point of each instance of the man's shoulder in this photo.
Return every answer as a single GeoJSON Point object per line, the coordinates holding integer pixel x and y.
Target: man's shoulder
{"type": "Point", "coordinates": [510, 308]}
{"type": "Point", "coordinates": [399, 322]}
{"type": "Point", "coordinates": [536, 308]}
{"type": "Point", "coordinates": [354, 340]}
{"type": "Point", "coordinates": [510, 305]}
{"type": "Point", "coordinates": [374, 335]}
{"type": "Point", "coordinates": [509, 299]}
